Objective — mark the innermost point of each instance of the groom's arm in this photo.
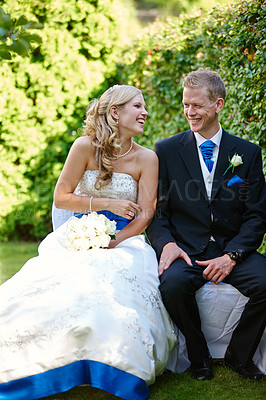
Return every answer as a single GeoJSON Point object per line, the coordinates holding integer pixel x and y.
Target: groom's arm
{"type": "Point", "coordinates": [159, 231]}
{"type": "Point", "coordinates": [252, 229]}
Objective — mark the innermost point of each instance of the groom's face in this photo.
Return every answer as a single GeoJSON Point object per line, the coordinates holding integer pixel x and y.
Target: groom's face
{"type": "Point", "coordinates": [201, 112]}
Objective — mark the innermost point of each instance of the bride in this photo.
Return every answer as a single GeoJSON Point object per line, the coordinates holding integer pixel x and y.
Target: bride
{"type": "Point", "coordinates": [94, 316]}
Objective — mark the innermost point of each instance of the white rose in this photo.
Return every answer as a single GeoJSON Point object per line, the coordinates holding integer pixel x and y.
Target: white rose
{"type": "Point", "coordinates": [71, 223]}
{"type": "Point", "coordinates": [101, 241]}
{"type": "Point", "coordinates": [77, 226]}
{"type": "Point", "coordinates": [105, 240]}
{"type": "Point", "coordinates": [86, 217]}
{"type": "Point", "coordinates": [100, 228]}
{"type": "Point", "coordinates": [71, 235]}
{"type": "Point", "coordinates": [82, 244]}
{"type": "Point", "coordinates": [89, 231]}
{"type": "Point", "coordinates": [100, 225]}
{"type": "Point", "coordinates": [236, 160]}
{"type": "Point", "coordinates": [74, 246]}
{"type": "Point", "coordinates": [70, 245]}
{"type": "Point", "coordinates": [110, 227]}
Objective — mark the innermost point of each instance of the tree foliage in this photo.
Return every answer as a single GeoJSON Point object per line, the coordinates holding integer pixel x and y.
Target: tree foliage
{"type": "Point", "coordinates": [229, 40]}
{"type": "Point", "coordinates": [44, 99]}
{"type": "Point", "coordinates": [170, 7]}
{"type": "Point", "coordinates": [175, 7]}
{"type": "Point", "coordinates": [15, 37]}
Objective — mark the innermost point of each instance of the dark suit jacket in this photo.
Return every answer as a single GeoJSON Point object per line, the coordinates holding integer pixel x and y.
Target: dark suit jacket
{"type": "Point", "coordinates": [183, 213]}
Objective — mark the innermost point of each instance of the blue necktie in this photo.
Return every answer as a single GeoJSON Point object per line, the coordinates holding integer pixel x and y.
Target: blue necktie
{"type": "Point", "coordinates": [207, 150]}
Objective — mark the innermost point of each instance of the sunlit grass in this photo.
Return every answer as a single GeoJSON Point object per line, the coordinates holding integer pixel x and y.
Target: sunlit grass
{"type": "Point", "coordinates": [12, 257]}
{"type": "Point", "coordinates": [226, 384]}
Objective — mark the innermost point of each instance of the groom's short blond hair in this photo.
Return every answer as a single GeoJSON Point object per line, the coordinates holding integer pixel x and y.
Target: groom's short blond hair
{"type": "Point", "coordinates": [205, 78]}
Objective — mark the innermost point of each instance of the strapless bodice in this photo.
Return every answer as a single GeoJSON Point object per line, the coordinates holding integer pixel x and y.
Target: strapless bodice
{"type": "Point", "coordinates": [122, 186]}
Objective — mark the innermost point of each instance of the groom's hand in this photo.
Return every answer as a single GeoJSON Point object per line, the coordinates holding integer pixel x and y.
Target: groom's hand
{"type": "Point", "coordinates": [169, 254]}
{"type": "Point", "coordinates": [217, 269]}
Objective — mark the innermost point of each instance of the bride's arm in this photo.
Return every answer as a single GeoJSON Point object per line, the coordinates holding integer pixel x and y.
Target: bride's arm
{"type": "Point", "coordinates": [147, 195]}
{"type": "Point", "coordinates": [76, 163]}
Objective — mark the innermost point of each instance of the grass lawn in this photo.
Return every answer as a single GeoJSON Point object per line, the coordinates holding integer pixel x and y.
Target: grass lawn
{"type": "Point", "coordinates": [13, 255]}
{"type": "Point", "coordinates": [226, 384]}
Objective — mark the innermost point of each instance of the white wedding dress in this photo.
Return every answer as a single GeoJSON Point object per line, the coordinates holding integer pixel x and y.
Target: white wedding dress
{"type": "Point", "coordinates": [86, 317]}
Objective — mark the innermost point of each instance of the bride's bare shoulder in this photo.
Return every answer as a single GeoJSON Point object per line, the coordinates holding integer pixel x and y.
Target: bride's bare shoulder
{"type": "Point", "coordinates": [83, 144]}
{"type": "Point", "coordinates": [145, 154]}
{"type": "Point", "coordinates": [83, 141]}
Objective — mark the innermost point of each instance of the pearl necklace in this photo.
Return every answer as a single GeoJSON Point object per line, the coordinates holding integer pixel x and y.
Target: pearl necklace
{"type": "Point", "coordinates": [123, 155]}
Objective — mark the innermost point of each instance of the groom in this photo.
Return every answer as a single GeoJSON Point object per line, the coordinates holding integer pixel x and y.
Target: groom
{"type": "Point", "coordinates": [209, 221]}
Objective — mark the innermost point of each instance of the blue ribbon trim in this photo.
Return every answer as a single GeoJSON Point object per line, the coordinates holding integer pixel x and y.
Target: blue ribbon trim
{"type": "Point", "coordinates": [121, 222]}
{"type": "Point", "coordinates": [58, 380]}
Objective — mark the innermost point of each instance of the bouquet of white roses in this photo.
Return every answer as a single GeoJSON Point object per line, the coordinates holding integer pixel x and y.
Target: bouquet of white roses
{"type": "Point", "coordinates": [91, 231]}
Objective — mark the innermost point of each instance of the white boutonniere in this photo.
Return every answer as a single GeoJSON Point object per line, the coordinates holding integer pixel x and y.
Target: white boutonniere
{"type": "Point", "coordinates": [234, 162]}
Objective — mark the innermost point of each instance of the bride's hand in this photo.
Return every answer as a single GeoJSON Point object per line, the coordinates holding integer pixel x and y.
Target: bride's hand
{"type": "Point", "coordinates": [124, 208]}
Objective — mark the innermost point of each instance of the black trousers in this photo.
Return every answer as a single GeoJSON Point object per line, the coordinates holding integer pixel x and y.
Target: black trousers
{"type": "Point", "coordinates": [179, 284]}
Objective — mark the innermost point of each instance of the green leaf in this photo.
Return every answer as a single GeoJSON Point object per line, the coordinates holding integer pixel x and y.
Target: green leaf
{"type": "Point", "coordinates": [21, 47]}
{"type": "Point", "coordinates": [21, 21]}
{"type": "Point", "coordinates": [3, 32]}
{"type": "Point", "coordinates": [5, 20]}
{"type": "Point", "coordinates": [5, 55]}
{"type": "Point", "coordinates": [33, 25]}
{"type": "Point", "coordinates": [31, 37]}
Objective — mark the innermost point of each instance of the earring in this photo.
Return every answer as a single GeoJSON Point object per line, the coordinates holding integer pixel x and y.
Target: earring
{"type": "Point", "coordinates": [117, 121]}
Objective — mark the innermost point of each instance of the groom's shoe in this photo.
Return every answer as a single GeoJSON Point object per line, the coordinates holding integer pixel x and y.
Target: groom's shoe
{"type": "Point", "coordinates": [202, 371]}
{"type": "Point", "coordinates": [248, 371]}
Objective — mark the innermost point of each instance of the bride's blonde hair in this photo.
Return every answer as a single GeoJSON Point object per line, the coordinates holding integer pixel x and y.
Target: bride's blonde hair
{"type": "Point", "coordinates": [103, 129]}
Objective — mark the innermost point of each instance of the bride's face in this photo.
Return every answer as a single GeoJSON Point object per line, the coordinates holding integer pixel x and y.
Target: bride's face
{"type": "Point", "coordinates": [132, 116]}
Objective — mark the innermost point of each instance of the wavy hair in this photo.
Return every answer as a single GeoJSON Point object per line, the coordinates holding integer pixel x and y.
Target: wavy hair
{"type": "Point", "coordinates": [103, 129]}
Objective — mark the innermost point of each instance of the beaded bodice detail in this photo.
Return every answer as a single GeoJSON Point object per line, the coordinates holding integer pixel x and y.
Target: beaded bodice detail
{"type": "Point", "coordinates": [122, 186]}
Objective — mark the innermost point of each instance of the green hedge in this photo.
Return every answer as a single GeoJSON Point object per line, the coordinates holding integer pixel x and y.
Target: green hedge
{"type": "Point", "coordinates": [44, 98]}
{"type": "Point", "coordinates": [229, 40]}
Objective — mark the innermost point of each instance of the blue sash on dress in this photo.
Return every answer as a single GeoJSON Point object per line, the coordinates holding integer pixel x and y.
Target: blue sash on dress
{"type": "Point", "coordinates": [121, 222]}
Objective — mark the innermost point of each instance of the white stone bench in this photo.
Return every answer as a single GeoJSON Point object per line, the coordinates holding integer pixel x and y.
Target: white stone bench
{"type": "Point", "coordinates": [220, 307]}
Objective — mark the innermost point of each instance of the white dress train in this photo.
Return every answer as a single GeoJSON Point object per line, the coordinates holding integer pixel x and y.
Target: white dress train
{"type": "Point", "coordinates": [87, 317]}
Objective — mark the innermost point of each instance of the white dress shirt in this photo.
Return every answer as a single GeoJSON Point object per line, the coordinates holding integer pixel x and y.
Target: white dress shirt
{"type": "Point", "coordinates": [208, 176]}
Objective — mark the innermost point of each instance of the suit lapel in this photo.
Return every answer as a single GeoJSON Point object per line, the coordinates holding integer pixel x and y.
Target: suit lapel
{"type": "Point", "coordinates": [226, 152]}
{"type": "Point", "coordinates": [190, 156]}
